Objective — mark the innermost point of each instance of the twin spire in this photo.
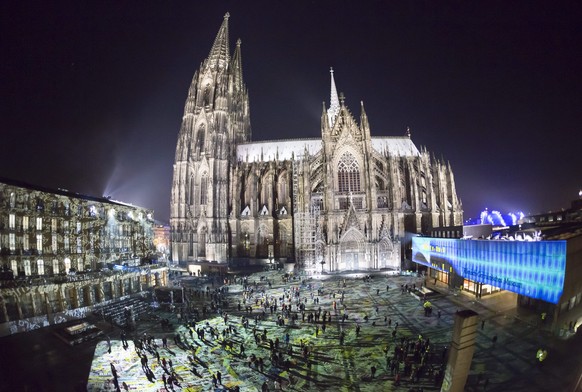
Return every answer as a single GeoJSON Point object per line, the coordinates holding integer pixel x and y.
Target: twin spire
{"type": "Point", "coordinates": [219, 58]}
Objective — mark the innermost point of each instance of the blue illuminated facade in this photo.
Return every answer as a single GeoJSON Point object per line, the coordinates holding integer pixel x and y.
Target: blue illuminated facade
{"type": "Point", "coordinates": [535, 269]}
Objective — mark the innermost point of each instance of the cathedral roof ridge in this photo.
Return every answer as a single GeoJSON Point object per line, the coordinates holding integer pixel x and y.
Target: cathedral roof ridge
{"type": "Point", "coordinates": [281, 150]}
{"type": "Point", "coordinates": [298, 139]}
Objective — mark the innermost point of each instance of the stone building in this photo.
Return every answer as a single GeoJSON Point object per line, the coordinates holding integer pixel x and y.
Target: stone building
{"type": "Point", "coordinates": [55, 250]}
{"type": "Point", "coordinates": [345, 201]}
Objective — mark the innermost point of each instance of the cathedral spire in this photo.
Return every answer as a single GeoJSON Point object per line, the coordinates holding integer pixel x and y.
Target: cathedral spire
{"type": "Point", "coordinates": [334, 105]}
{"type": "Point", "coordinates": [220, 53]}
{"type": "Point", "coordinates": [236, 66]}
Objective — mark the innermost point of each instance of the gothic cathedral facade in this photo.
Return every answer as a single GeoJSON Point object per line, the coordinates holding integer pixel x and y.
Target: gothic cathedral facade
{"type": "Point", "coordinates": [347, 201]}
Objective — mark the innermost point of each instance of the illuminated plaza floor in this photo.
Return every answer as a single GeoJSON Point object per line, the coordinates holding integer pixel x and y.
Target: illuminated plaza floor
{"type": "Point", "coordinates": [509, 365]}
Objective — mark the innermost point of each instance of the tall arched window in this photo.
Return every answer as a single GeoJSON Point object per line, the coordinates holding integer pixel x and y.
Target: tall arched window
{"type": "Point", "coordinates": [202, 242]}
{"type": "Point", "coordinates": [282, 242]}
{"type": "Point", "coordinates": [201, 137]}
{"type": "Point", "coordinates": [192, 198]}
{"type": "Point", "coordinates": [266, 190]}
{"type": "Point", "coordinates": [282, 196]}
{"type": "Point", "coordinates": [204, 189]}
{"type": "Point", "coordinates": [348, 173]}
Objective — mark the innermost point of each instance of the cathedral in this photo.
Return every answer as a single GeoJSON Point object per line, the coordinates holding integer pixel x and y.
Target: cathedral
{"type": "Point", "coordinates": [347, 201]}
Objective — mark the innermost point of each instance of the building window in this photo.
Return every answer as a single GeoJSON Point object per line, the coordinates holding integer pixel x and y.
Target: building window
{"type": "Point", "coordinates": [25, 223]}
{"type": "Point", "coordinates": [344, 203]}
{"type": "Point", "coordinates": [25, 242]}
{"type": "Point", "coordinates": [204, 189]}
{"type": "Point", "coordinates": [39, 243]}
{"type": "Point", "coordinates": [40, 267]}
{"type": "Point", "coordinates": [282, 191]}
{"type": "Point", "coordinates": [79, 247]}
{"type": "Point", "coordinates": [12, 242]}
{"type": "Point", "coordinates": [66, 243]}
{"type": "Point", "coordinates": [78, 227]}
{"type": "Point", "coordinates": [317, 202]}
{"type": "Point", "coordinates": [14, 267]}
{"type": "Point", "coordinates": [39, 223]}
{"type": "Point", "coordinates": [348, 174]}
{"type": "Point", "coordinates": [67, 265]}
{"type": "Point", "coordinates": [12, 199]}
{"type": "Point", "coordinates": [11, 221]}
{"type": "Point", "coordinates": [55, 267]}
{"type": "Point", "coordinates": [201, 137]}
{"type": "Point", "coordinates": [80, 264]}
{"type": "Point", "coordinates": [382, 202]}
{"type": "Point", "coordinates": [27, 270]}
{"type": "Point", "coordinates": [53, 225]}
{"type": "Point", "coordinates": [54, 243]}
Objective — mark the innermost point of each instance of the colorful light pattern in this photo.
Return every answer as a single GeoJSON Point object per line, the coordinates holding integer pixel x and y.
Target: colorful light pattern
{"type": "Point", "coordinates": [496, 218]}
{"type": "Point", "coordinates": [534, 269]}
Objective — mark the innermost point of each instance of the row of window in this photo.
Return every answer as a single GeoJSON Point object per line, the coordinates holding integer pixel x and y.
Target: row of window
{"type": "Point", "coordinates": [23, 223]}
{"type": "Point", "coordinates": [23, 201]}
{"type": "Point", "coordinates": [447, 233]}
{"type": "Point", "coordinates": [114, 243]}
{"type": "Point", "coordinates": [40, 267]}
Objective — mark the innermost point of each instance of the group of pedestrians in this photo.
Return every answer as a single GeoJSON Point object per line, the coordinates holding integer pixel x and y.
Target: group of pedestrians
{"type": "Point", "coordinates": [256, 334]}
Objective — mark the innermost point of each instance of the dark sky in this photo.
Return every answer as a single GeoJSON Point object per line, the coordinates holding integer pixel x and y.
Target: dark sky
{"type": "Point", "coordinates": [92, 93]}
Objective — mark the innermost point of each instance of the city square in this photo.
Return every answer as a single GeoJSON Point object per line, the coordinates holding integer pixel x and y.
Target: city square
{"type": "Point", "coordinates": [378, 304]}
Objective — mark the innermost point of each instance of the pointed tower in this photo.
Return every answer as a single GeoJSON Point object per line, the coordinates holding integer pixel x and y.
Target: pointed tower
{"type": "Point", "coordinates": [334, 104]}
{"type": "Point", "coordinates": [216, 118]}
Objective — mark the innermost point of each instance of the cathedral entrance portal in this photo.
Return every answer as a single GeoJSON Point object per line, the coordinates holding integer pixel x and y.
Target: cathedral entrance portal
{"type": "Point", "coordinates": [352, 251]}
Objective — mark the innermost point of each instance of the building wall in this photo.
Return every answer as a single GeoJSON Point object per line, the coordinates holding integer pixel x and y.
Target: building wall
{"type": "Point", "coordinates": [38, 302]}
{"type": "Point", "coordinates": [572, 295]}
{"type": "Point", "coordinates": [52, 243]}
{"type": "Point", "coordinates": [47, 233]}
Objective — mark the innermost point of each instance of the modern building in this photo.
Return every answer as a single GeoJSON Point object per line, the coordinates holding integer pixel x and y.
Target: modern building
{"type": "Point", "coordinates": [540, 259]}
{"type": "Point", "coordinates": [345, 201]}
{"type": "Point", "coordinates": [61, 253]}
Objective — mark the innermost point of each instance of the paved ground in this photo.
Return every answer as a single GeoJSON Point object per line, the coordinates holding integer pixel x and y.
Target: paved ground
{"type": "Point", "coordinates": [41, 362]}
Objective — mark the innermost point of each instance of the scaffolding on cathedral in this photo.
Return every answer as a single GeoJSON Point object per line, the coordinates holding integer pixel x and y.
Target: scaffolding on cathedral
{"type": "Point", "coordinates": [305, 225]}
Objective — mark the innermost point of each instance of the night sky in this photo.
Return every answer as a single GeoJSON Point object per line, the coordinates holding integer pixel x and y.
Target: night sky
{"type": "Point", "coordinates": [92, 93]}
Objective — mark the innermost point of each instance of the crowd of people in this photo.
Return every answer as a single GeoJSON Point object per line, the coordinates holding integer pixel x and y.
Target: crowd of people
{"type": "Point", "coordinates": [284, 328]}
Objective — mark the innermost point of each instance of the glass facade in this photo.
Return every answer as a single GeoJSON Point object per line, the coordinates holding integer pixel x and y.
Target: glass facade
{"type": "Point", "coordinates": [535, 269]}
